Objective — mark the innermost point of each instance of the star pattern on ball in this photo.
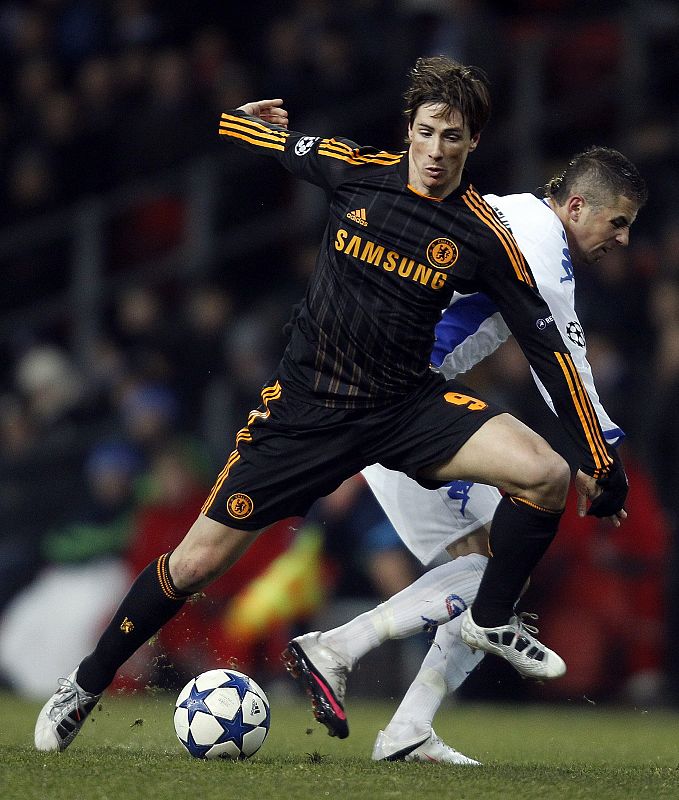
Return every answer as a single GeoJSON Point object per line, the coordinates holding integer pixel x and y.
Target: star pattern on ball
{"type": "Point", "coordinates": [234, 729]}
{"type": "Point", "coordinates": [222, 718]}
{"type": "Point", "coordinates": [195, 702]}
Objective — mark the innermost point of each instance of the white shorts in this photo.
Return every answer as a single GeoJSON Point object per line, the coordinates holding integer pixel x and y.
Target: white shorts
{"type": "Point", "coordinates": [428, 520]}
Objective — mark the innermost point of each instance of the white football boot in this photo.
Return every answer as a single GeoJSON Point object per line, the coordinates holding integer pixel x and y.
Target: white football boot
{"type": "Point", "coordinates": [62, 716]}
{"type": "Point", "coordinates": [324, 673]}
{"type": "Point", "coordinates": [516, 643]}
{"type": "Point", "coordinates": [428, 750]}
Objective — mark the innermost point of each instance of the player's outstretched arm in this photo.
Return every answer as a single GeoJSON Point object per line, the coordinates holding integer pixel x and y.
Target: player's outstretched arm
{"type": "Point", "coordinates": [268, 110]}
{"type": "Point", "coordinates": [261, 126]}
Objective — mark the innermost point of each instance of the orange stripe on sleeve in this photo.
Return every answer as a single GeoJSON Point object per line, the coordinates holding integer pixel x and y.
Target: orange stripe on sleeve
{"type": "Point", "coordinates": [350, 156]}
{"type": "Point", "coordinates": [250, 140]}
{"type": "Point", "coordinates": [503, 232]}
{"type": "Point", "coordinates": [587, 403]}
{"type": "Point", "coordinates": [256, 127]}
{"type": "Point", "coordinates": [484, 212]}
{"type": "Point", "coordinates": [589, 408]}
{"type": "Point", "coordinates": [586, 414]}
{"type": "Point", "coordinates": [238, 128]}
{"type": "Point", "coordinates": [333, 144]}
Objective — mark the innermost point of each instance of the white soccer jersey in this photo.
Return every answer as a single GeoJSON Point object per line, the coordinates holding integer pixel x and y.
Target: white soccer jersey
{"type": "Point", "coordinates": [470, 329]}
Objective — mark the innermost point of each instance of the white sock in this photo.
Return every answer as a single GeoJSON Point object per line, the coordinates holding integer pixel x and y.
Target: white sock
{"type": "Point", "coordinates": [445, 667]}
{"type": "Point", "coordinates": [460, 659]}
{"type": "Point", "coordinates": [433, 599]}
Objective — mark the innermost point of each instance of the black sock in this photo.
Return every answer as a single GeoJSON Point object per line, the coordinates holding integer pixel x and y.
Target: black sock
{"type": "Point", "coordinates": [152, 600]}
{"type": "Point", "coordinates": [520, 534]}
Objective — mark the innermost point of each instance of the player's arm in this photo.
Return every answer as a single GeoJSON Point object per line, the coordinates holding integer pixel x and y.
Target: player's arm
{"type": "Point", "coordinates": [510, 283]}
{"type": "Point", "coordinates": [601, 476]}
{"type": "Point", "coordinates": [531, 321]}
{"type": "Point", "coordinates": [262, 127]}
{"type": "Point", "coordinates": [507, 279]}
{"type": "Point", "coordinates": [470, 329]}
{"type": "Point", "coordinates": [561, 303]}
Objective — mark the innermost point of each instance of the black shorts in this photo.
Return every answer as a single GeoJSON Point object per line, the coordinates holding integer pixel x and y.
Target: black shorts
{"type": "Point", "coordinates": [292, 452]}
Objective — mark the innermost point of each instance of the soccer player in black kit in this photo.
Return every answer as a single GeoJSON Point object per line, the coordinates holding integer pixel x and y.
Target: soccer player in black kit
{"type": "Point", "coordinates": [355, 387]}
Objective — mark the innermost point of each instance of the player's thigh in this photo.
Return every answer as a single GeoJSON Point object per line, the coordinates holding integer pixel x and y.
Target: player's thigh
{"type": "Point", "coordinates": [428, 521]}
{"type": "Point", "coordinates": [506, 453]}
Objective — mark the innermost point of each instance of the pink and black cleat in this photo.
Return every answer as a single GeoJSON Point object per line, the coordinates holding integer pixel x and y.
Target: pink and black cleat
{"type": "Point", "coordinates": [324, 673]}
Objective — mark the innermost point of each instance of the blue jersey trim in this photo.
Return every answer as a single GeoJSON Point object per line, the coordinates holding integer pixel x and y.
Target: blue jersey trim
{"type": "Point", "coordinates": [615, 436]}
{"type": "Point", "coordinates": [459, 322]}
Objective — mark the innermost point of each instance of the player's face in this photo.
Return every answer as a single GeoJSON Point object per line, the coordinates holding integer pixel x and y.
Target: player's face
{"type": "Point", "coordinates": [593, 232]}
{"type": "Point", "coordinates": [439, 147]}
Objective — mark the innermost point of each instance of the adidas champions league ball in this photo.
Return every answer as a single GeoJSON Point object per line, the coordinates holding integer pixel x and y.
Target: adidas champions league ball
{"type": "Point", "coordinates": [222, 714]}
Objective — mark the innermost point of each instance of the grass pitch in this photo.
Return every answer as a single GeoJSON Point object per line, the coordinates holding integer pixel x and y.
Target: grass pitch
{"type": "Point", "coordinates": [129, 750]}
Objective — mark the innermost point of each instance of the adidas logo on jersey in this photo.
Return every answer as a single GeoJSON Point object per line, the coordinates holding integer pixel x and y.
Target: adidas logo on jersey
{"type": "Point", "coordinates": [358, 216]}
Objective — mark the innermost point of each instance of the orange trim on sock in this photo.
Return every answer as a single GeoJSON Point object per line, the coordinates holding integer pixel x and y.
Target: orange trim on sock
{"type": "Point", "coordinates": [162, 571]}
{"type": "Point", "coordinates": [536, 506]}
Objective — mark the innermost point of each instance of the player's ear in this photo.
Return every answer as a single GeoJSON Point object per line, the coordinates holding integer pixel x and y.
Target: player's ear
{"type": "Point", "coordinates": [574, 206]}
{"type": "Point", "coordinates": [474, 142]}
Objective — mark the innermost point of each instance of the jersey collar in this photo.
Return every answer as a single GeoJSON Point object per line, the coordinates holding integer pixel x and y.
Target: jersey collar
{"type": "Point", "coordinates": [465, 183]}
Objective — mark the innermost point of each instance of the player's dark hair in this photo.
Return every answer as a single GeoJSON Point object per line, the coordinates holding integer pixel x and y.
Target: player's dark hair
{"type": "Point", "coordinates": [440, 80]}
{"type": "Point", "coordinates": [600, 174]}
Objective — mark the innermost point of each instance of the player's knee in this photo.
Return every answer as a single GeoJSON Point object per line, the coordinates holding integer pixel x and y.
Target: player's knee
{"type": "Point", "coordinates": [556, 476]}
{"type": "Point", "coordinates": [191, 571]}
{"type": "Point", "coordinates": [207, 552]}
{"type": "Point", "coordinates": [544, 479]}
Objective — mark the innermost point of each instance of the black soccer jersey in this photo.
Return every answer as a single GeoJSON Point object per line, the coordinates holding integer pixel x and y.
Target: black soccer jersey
{"type": "Point", "coordinates": [388, 264]}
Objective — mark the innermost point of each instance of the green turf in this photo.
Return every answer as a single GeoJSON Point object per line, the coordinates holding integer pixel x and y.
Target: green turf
{"type": "Point", "coordinates": [128, 750]}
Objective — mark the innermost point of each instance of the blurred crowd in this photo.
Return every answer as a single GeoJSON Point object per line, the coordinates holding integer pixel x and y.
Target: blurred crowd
{"type": "Point", "coordinates": [105, 460]}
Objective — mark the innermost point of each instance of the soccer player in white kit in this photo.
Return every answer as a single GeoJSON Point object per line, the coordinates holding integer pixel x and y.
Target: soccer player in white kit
{"type": "Point", "coordinates": [586, 212]}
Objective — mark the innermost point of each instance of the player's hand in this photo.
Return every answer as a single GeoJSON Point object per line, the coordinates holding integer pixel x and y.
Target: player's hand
{"type": "Point", "coordinates": [607, 495]}
{"type": "Point", "coordinates": [268, 111]}
{"type": "Point", "coordinates": [587, 489]}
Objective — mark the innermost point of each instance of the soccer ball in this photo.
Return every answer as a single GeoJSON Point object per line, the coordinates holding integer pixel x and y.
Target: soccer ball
{"type": "Point", "coordinates": [222, 714]}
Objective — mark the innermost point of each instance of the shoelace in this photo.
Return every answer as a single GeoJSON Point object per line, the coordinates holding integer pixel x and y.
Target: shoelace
{"type": "Point", "coordinates": [436, 739]}
{"type": "Point", "coordinates": [522, 616]}
{"type": "Point", "coordinates": [70, 691]}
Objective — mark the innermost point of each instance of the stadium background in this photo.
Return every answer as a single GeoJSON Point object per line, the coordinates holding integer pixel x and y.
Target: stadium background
{"type": "Point", "coordinates": [147, 273]}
